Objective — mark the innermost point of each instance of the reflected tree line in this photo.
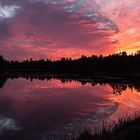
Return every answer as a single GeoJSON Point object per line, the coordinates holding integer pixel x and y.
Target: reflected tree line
{"type": "Point", "coordinates": [115, 63]}
{"type": "Point", "coordinates": [118, 84]}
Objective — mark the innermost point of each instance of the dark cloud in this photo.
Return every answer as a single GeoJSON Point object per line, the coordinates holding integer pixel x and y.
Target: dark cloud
{"type": "Point", "coordinates": [65, 24]}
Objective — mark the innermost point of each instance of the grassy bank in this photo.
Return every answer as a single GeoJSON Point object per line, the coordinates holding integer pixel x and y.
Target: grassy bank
{"type": "Point", "coordinates": [127, 128]}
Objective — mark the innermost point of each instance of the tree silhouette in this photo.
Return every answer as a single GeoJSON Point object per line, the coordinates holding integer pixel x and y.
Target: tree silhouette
{"type": "Point", "coordinates": [119, 63]}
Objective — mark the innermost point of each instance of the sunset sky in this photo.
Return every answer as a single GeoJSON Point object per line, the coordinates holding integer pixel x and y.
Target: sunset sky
{"type": "Point", "coordinates": [69, 28]}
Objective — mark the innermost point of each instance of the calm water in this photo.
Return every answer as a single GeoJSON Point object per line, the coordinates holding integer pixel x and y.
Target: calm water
{"type": "Point", "coordinates": [43, 107]}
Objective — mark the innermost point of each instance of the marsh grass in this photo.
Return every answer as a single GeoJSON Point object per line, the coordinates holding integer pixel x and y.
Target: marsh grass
{"type": "Point", "coordinates": [126, 128]}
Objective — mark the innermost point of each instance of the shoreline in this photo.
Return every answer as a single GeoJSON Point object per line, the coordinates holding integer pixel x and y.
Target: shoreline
{"type": "Point", "coordinates": [122, 77]}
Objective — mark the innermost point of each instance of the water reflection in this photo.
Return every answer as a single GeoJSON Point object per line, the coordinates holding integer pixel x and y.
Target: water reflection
{"type": "Point", "coordinates": [118, 85]}
{"type": "Point", "coordinates": [40, 103]}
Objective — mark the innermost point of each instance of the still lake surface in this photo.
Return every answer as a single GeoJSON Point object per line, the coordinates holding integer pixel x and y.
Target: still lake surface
{"type": "Point", "coordinates": [57, 106]}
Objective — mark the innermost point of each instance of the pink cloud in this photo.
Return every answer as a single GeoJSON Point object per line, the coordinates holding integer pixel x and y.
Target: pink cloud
{"type": "Point", "coordinates": [41, 30]}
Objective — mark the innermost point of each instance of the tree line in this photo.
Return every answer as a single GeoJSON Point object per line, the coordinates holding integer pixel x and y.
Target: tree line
{"type": "Point", "coordinates": [115, 63]}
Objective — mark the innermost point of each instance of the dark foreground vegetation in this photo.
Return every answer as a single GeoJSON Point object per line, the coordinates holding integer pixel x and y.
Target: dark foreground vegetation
{"type": "Point", "coordinates": [127, 128]}
{"type": "Point", "coordinates": [116, 63]}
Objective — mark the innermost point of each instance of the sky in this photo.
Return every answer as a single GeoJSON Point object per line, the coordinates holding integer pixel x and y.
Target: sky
{"type": "Point", "coordinates": [42, 29]}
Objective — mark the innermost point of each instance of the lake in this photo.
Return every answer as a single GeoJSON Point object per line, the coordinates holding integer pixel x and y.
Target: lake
{"type": "Point", "coordinates": [40, 107]}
